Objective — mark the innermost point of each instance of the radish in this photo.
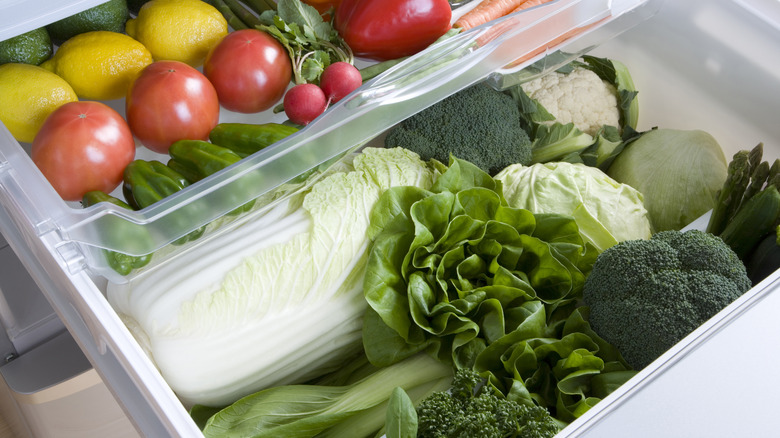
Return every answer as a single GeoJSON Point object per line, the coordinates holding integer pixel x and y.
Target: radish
{"type": "Point", "coordinates": [340, 79]}
{"type": "Point", "coordinates": [304, 102]}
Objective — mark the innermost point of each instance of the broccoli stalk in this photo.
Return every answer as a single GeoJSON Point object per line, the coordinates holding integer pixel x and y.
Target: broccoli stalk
{"type": "Point", "coordinates": [472, 408]}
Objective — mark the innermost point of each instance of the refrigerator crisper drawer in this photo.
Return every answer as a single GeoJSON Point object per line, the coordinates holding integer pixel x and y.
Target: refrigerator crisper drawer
{"type": "Point", "coordinates": [59, 243]}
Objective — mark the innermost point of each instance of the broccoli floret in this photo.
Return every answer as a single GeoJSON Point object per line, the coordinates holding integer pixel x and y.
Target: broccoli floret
{"type": "Point", "coordinates": [478, 124]}
{"type": "Point", "coordinates": [646, 295]}
{"type": "Point", "coordinates": [472, 410]}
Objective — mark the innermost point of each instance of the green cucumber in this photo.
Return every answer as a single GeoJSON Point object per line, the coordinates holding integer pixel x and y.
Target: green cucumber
{"type": "Point", "coordinates": [147, 182]}
{"type": "Point", "coordinates": [120, 262]}
{"type": "Point", "coordinates": [245, 138]}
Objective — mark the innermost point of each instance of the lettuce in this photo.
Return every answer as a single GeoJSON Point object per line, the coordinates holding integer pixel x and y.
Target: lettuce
{"type": "Point", "coordinates": [458, 273]}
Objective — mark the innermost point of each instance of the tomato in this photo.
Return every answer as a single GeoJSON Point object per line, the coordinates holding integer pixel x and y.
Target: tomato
{"type": "Point", "coordinates": [249, 69]}
{"type": "Point", "coordinates": [83, 146]}
{"type": "Point", "coordinates": [382, 30]}
{"type": "Point", "coordinates": [170, 101]}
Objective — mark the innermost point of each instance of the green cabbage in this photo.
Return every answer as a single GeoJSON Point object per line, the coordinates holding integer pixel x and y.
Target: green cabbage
{"type": "Point", "coordinates": [679, 173]}
{"type": "Point", "coordinates": [275, 301]}
{"type": "Point", "coordinates": [606, 211]}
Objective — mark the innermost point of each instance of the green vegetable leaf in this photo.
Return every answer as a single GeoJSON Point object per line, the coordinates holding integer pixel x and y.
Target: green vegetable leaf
{"type": "Point", "coordinates": [311, 42]}
{"type": "Point", "coordinates": [401, 419]}
{"type": "Point", "coordinates": [554, 141]}
{"type": "Point", "coordinates": [306, 256]}
{"type": "Point", "coordinates": [607, 146]}
{"type": "Point", "coordinates": [605, 211]}
{"type": "Point", "coordinates": [301, 14]}
{"type": "Point", "coordinates": [303, 411]}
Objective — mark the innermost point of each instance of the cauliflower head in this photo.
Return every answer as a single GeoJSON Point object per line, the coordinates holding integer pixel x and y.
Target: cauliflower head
{"type": "Point", "coordinates": [580, 97]}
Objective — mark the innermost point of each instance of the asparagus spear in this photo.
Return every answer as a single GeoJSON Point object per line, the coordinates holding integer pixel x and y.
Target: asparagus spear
{"type": "Point", "coordinates": [244, 14]}
{"type": "Point", "coordinates": [730, 196]}
{"type": "Point", "coordinates": [234, 22]}
{"type": "Point", "coordinates": [261, 6]}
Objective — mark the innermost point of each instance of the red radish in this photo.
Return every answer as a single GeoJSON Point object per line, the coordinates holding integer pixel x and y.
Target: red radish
{"type": "Point", "coordinates": [304, 102]}
{"type": "Point", "coordinates": [340, 79]}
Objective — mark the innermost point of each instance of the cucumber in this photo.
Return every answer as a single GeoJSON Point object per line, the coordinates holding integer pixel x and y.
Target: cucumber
{"type": "Point", "coordinates": [245, 138]}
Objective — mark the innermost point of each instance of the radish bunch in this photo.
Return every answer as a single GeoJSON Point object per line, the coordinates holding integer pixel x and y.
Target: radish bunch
{"type": "Point", "coordinates": [304, 102]}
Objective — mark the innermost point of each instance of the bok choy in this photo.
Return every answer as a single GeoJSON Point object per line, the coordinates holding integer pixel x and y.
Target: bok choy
{"type": "Point", "coordinates": [276, 301]}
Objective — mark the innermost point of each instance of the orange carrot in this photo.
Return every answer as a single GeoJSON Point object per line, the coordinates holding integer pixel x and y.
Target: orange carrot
{"type": "Point", "coordinates": [558, 40]}
{"type": "Point", "coordinates": [487, 10]}
{"type": "Point", "coordinates": [529, 4]}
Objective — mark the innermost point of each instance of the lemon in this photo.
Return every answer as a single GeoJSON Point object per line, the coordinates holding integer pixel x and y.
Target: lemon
{"type": "Point", "coordinates": [28, 94]}
{"type": "Point", "coordinates": [178, 30]}
{"type": "Point", "coordinates": [99, 65]}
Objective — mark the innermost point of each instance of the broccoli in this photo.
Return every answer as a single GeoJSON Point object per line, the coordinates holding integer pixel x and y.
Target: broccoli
{"type": "Point", "coordinates": [478, 124]}
{"type": "Point", "coordinates": [471, 410]}
{"type": "Point", "coordinates": [646, 295]}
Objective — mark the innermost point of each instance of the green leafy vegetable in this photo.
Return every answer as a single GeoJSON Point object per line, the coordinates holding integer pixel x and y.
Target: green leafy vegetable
{"type": "Point", "coordinates": [312, 43]}
{"type": "Point", "coordinates": [678, 172]}
{"type": "Point", "coordinates": [457, 272]}
{"type": "Point", "coordinates": [307, 410]}
{"type": "Point", "coordinates": [401, 419]}
{"type": "Point", "coordinates": [276, 300]}
{"type": "Point", "coordinates": [606, 211]}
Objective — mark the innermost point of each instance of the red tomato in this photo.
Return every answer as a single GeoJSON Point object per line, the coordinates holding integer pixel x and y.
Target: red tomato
{"type": "Point", "coordinates": [382, 30]}
{"type": "Point", "coordinates": [83, 146]}
{"type": "Point", "coordinates": [170, 101]}
{"type": "Point", "coordinates": [249, 69]}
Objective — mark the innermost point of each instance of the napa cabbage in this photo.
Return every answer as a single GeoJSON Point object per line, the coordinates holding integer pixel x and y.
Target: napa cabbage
{"type": "Point", "coordinates": [275, 301]}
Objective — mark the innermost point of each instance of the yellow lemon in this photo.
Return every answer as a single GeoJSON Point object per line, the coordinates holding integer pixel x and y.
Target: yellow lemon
{"type": "Point", "coordinates": [28, 94]}
{"type": "Point", "coordinates": [99, 65]}
{"type": "Point", "coordinates": [178, 30]}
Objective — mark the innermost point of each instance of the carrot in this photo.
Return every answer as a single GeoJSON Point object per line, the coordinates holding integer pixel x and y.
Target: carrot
{"type": "Point", "coordinates": [529, 4]}
{"type": "Point", "coordinates": [487, 10]}
{"type": "Point", "coordinates": [558, 40]}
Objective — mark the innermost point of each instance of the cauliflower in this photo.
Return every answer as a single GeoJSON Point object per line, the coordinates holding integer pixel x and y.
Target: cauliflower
{"type": "Point", "coordinates": [580, 97]}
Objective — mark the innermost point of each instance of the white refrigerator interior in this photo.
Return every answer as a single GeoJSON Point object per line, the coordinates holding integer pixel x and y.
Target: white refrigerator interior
{"type": "Point", "coordinates": [698, 64]}
{"type": "Point", "coordinates": [48, 388]}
